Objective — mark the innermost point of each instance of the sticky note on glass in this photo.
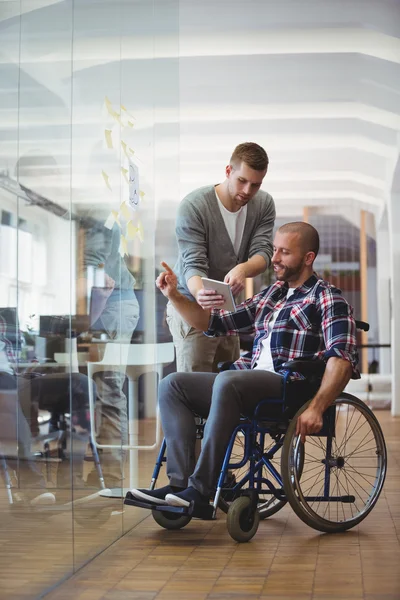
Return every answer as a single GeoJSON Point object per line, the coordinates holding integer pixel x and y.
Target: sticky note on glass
{"type": "Point", "coordinates": [131, 230]}
{"type": "Point", "coordinates": [134, 193]}
{"type": "Point", "coordinates": [125, 174]}
{"type": "Point", "coordinates": [106, 180]}
{"type": "Point", "coordinates": [125, 211]}
{"type": "Point", "coordinates": [110, 221]}
{"type": "Point", "coordinates": [108, 137]}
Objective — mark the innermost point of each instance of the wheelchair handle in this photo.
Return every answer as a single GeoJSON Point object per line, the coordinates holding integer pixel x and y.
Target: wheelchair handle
{"type": "Point", "coordinates": [362, 325]}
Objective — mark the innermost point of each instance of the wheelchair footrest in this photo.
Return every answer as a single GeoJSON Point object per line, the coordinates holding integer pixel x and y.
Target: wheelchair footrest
{"type": "Point", "coordinates": [202, 512]}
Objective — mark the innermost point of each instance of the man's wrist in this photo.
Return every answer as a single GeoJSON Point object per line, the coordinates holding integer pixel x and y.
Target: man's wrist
{"type": "Point", "coordinates": [174, 295]}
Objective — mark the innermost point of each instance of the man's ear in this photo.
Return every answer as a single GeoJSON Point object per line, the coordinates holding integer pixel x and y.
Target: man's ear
{"type": "Point", "coordinates": [228, 171]}
{"type": "Point", "coordinates": [309, 259]}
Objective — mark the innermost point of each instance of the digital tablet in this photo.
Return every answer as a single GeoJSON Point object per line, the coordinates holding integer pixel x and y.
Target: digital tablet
{"type": "Point", "coordinates": [224, 289]}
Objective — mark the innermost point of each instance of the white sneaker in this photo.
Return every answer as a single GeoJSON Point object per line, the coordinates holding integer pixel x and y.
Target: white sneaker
{"type": "Point", "coordinates": [44, 499]}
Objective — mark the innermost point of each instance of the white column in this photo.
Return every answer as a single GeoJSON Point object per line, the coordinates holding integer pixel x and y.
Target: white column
{"type": "Point", "coordinates": [394, 233]}
{"type": "Point", "coordinates": [383, 292]}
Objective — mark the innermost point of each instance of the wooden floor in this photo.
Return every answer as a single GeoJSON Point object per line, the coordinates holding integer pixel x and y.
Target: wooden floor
{"type": "Point", "coordinates": [286, 559]}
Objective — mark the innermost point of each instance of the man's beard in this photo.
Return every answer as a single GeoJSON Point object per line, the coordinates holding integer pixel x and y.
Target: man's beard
{"type": "Point", "coordinates": [289, 273]}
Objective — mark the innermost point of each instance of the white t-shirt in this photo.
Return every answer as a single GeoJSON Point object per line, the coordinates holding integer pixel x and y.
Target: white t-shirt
{"type": "Point", "coordinates": [265, 362]}
{"type": "Point", "coordinates": [234, 223]}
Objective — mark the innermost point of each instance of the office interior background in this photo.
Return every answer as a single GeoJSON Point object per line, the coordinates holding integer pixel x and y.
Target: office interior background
{"type": "Point", "coordinates": [95, 93]}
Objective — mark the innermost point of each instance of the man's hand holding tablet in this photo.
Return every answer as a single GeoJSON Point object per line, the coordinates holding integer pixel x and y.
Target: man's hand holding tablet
{"type": "Point", "coordinates": [216, 294]}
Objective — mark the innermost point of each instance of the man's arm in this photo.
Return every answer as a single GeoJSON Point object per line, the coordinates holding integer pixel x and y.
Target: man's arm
{"type": "Point", "coordinates": [191, 312]}
{"type": "Point", "coordinates": [337, 375]}
{"type": "Point", "coordinates": [252, 267]}
{"type": "Point", "coordinates": [339, 331]}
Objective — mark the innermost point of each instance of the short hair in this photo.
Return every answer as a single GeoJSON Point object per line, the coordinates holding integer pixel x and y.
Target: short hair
{"type": "Point", "coordinates": [309, 235]}
{"type": "Point", "coordinates": [252, 154]}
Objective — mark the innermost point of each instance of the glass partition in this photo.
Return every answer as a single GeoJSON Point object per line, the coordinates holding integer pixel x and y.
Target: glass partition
{"type": "Point", "coordinates": [89, 156]}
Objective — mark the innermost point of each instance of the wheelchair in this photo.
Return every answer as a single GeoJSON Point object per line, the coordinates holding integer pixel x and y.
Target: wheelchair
{"type": "Point", "coordinates": [332, 481]}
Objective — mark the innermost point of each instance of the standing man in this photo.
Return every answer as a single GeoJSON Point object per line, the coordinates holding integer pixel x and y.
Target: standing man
{"type": "Point", "coordinates": [224, 232]}
{"type": "Point", "coordinates": [117, 317]}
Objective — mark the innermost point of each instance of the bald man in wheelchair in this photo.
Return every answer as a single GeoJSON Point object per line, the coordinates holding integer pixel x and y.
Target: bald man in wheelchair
{"type": "Point", "coordinates": [299, 317]}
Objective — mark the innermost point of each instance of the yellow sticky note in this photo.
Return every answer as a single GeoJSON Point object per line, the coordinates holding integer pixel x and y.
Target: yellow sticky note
{"type": "Point", "coordinates": [124, 148]}
{"type": "Point", "coordinates": [131, 124]}
{"type": "Point", "coordinates": [131, 230]}
{"type": "Point", "coordinates": [123, 107]}
{"type": "Point", "coordinates": [124, 211]}
{"type": "Point", "coordinates": [110, 109]}
{"type": "Point", "coordinates": [106, 179]}
{"type": "Point", "coordinates": [142, 194]}
{"type": "Point", "coordinates": [109, 221]}
{"type": "Point", "coordinates": [125, 174]}
{"type": "Point", "coordinates": [108, 136]}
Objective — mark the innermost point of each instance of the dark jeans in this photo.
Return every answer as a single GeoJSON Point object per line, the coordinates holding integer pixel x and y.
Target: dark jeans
{"type": "Point", "coordinates": [222, 399]}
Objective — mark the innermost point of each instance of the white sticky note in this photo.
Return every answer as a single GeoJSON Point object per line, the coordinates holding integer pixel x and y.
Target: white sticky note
{"type": "Point", "coordinates": [109, 221]}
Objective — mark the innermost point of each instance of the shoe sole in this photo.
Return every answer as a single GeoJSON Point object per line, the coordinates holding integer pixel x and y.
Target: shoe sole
{"type": "Point", "coordinates": [173, 500]}
{"type": "Point", "coordinates": [146, 497]}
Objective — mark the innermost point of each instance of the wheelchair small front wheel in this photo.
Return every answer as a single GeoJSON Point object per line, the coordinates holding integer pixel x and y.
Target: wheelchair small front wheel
{"type": "Point", "coordinates": [242, 519]}
{"type": "Point", "coordinates": [170, 520]}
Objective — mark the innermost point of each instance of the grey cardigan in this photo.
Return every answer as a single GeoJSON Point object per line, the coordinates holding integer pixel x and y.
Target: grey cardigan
{"type": "Point", "coordinates": [204, 245]}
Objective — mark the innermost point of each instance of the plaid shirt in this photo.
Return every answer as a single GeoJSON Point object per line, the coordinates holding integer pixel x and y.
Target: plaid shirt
{"type": "Point", "coordinates": [316, 322]}
{"type": "Point", "coordinates": [6, 331]}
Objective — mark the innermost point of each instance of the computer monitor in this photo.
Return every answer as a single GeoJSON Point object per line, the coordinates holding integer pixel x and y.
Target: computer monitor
{"type": "Point", "coordinates": [63, 325]}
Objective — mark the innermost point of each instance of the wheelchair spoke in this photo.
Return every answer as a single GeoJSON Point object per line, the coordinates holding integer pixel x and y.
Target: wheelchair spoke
{"type": "Point", "coordinates": [355, 491]}
{"type": "Point", "coordinates": [360, 445]}
{"type": "Point", "coordinates": [355, 472]}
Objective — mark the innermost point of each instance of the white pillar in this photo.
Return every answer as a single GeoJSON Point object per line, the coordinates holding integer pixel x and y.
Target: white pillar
{"type": "Point", "coordinates": [394, 232]}
{"type": "Point", "coordinates": [383, 292]}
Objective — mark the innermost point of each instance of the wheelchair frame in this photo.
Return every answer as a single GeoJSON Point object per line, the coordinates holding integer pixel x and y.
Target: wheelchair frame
{"type": "Point", "coordinates": [310, 490]}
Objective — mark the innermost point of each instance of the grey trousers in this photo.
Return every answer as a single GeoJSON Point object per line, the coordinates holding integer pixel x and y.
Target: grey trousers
{"type": "Point", "coordinates": [221, 399]}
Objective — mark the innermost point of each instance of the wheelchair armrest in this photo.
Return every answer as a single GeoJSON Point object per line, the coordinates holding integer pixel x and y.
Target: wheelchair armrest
{"type": "Point", "coordinates": [224, 366]}
{"type": "Point", "coordinates": [306, 367]}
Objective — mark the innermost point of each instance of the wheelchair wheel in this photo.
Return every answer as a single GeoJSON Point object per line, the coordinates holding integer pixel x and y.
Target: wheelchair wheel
{"type": "Point", "coordinates": [269, 504]}
{"type": "Point", "coordinates": [170, 520]}
{"type": "Point", "coordinates": [242, 520]}
{"type": "Point", "coordinates": [344, 467]}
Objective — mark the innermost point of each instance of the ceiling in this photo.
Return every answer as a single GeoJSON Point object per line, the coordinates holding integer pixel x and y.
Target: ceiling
{"type": "Point", "coordinates": [317, 83]}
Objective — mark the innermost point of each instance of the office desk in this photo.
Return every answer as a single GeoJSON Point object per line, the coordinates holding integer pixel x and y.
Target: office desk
{"type": "Point", "coordinates": [134, 360]}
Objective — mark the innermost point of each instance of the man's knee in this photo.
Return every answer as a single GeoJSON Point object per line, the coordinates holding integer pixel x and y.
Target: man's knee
{"type": "Point", "coordinates": [227, 380]}
{"type": "Point", "coordinates": [227, 389]}
{"type": "Point", "coordinates": [169, 387]}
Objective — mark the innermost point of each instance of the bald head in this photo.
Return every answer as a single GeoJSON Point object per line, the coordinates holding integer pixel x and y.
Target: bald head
{"type": "Point", "coordinates": [308, 235]}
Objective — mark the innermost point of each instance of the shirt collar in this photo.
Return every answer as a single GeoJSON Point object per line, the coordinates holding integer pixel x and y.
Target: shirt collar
{"type": "Point", "coordinates": [282, 287]}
